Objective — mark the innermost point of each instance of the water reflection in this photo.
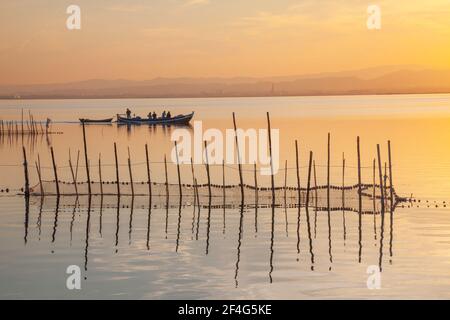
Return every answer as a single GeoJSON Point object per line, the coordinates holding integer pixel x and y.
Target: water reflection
{"type": "Point", "coordinates": [144, 214]}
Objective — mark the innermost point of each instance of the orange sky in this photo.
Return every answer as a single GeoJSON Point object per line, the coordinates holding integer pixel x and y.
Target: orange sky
{"type": "Point", "coordinates": [139, 40]}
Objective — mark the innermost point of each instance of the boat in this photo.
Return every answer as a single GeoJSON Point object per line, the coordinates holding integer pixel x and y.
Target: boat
{"type": "Point", "coordinates": [108, 120]}
{"type": "Point", "coordinates": [181, 119]}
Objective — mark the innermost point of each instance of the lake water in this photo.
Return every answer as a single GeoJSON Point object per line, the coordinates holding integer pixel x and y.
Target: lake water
{"type": "Point", "coordinates": [126, 250]}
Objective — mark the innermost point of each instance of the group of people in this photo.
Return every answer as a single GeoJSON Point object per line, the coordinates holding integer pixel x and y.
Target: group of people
{"type": "Point", "coordinates": [152, 115]}
{"type": "Point", "coordinates": [164, 115]}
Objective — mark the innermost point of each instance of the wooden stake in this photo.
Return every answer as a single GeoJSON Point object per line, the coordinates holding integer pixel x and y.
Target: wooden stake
{"type": "Point", "coordinates": [193, 173]}
{"type": "Point", "coordinates": [328, 171]}
{"type": "Point", "coordinates": [149, 180]}
{"type": "Point", "coordinates": [207, 169]}
{"type": "Point", "coordinates": [359, 179]}
{"type": "Point", "coordinates": [100, 172]}
{"type": "Point", "coordinates": [343, 180]}
{"type": "Point", "coordinates": [40, 178]}
{"type": "Point", "coordinates": [391, 188]}
{"type": "Point", "coordinates": [285, 180]}
{"type": "Point", "coordinates": [298, 174]}
{"type": "Point", "coordinates": [381, 179]}
{"type": "Point", "coordinates": [316, 197]}
{"type": "Point", "coordinates": [40, 174]}
{"type": "Point", "coordinates": [223, 182]}
{"type": "Point", "coordinates": [178, 171]}
{"type": "Point", "coordinates": [309, 179]}
{"type": "Point", "coordinates": [167, 178]}
{"type": "Point", "coordinates": [25, 168]}
{"type": "Point", "coordinates": [270, 154]}
{"type": "Point", "coordinates": [86, 160]}
{"type": "Point", "coordinates": [76, 167]}
{"type": "Point", "coordinates": [241, 179]}
{"type": "Point", "coordinates": [131, 173]}
{"type": "Point", "coordinates": [373, 194]}
{"type": "Point", "coordinates": [55, 172]}
{"type": "Point", "coordinates": [385, 182]}
{"type": "Point", "coordinates": [117, 170]}
{"type": "Point", "coordinates": [256, 181]}
{"type": "Point", "coordinates": [73, 176]}
{"type": "Point", "coordinates": [359, 201]}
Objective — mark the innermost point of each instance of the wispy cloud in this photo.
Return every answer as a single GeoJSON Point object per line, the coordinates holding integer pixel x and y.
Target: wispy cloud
{"type": "Point", "coordinates": [128, 8]}
{"type": "Point", "coordinates": [195, 2]}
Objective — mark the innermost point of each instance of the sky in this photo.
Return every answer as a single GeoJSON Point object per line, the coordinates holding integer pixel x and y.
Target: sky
{"type": "Point", "coordinates": [138, 40]}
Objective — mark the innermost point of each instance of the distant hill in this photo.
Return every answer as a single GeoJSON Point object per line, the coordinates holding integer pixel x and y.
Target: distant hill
{"type": "Point", "coordinates": [381, 80]}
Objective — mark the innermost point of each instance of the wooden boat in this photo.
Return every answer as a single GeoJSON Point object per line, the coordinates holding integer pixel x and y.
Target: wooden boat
{"type": "Point", "coordinates": [109, 120]}
{"type": "Point", "coordinates": [181, 119]}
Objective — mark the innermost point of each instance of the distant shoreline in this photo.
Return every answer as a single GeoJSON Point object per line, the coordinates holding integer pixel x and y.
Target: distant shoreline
{"type": "Point", "coordinates": [107, 97]}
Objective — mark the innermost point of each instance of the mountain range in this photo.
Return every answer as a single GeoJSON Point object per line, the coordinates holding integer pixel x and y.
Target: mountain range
{"type": "Point", "coordinates": [378, 80]}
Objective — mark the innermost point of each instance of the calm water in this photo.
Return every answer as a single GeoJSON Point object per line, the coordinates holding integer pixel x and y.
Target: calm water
{"type": "Point", "coordinates": [135, 252]}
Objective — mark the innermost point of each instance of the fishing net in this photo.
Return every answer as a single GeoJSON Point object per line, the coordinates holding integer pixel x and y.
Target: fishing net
{"type": "Point", "coordinates": [338, 198]}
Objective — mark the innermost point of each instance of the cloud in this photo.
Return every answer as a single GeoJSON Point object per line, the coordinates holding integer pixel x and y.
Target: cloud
{"type": "Point", "coordinates": [127, 8]}
{"type": "Point", "coordinates": [196, 2]}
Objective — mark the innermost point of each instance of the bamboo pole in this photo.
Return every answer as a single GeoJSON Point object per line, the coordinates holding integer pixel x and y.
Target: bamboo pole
{"type": "Point", "coordinates": [343, 180]}
{"type": "Point", "coordinates": [76, 167]}
{"type": "Point", "coordinates": [328, 171]}
{"type": "Point", "coordinates": [39, 177]}
{"type": "Point", "coordinates": [40, 174]}
{"type": "Point", "coordinates": [381, 179]}
{"type": "Point", "coordinates": [256, 181]}
{"type": "Point", "coordinates": [373, 194]}
{"type": "Point", "coordinates": [270, 154]}
{"type": "Point", "coordinates": [193, 173]}
{"type": "Point", "coordinates": [316, 197]}
{"type": "Point", "coordinates": [207, 169]}
{"type": "Point", "coordinates": [359, 201]}
{"type": "Point", "coordinates": [298, 173]}
{"type": "Point", "coordinates": [359, 179]}
{"type": "Point", "coordinates": [86, 160]}
{"type": "Point", "coordinates": [117, 170]}
{"type": "Point", "coordinates": [25, 168]}
{"type": "Point", "coordinates": [131, 173]}
{"type": "Point", "coordinates": [73, 176]}
{"type": "Point", "coordinates": [391, 188]}
{"type": "Point", "coordinates": [167, 178]}
{"type": "Point", "coordinates": [285, 180]}
{"type": "Point", "coordinates": [100, 172]}
{"type": "Point", "coordinates": [149, 180]}
{"type": "Point", "coordinates": [241, 179]}
{"type": "Point", "coordinates": [55, 172]}
{"type": "Point", "coordinates": [178, 171]}
{"type": "Point", "coordinates": [223, 181]}
{"type": "Point", "coordinates": [309, 179]}
{"type": "Point", "coordinates": [385, 183]}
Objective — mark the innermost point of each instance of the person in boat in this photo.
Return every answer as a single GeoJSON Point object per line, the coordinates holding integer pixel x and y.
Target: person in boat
{"type": "Point", "coordinates": [149, 116]}
{"type": "Point", "coordinates": [168, 115]}
{"type": "Point", "coordinates": [128, 113]}
{"type": "Point", "coordinates": [154, 115]}
{"type": "Point", "coordinates": [163, 114]}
